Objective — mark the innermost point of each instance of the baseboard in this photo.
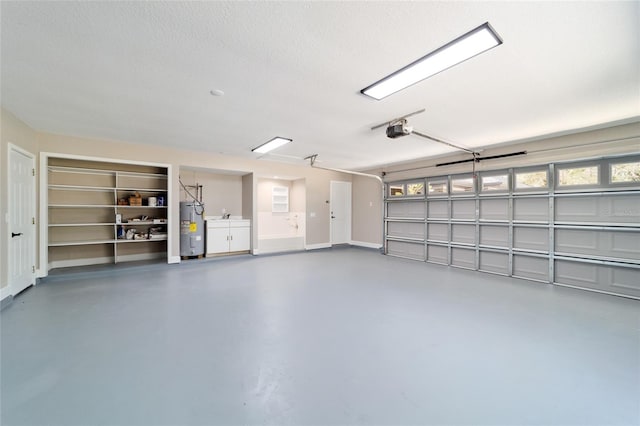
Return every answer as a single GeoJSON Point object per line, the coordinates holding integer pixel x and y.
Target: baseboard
{"type": "Point", "coordinates": [104, 260]}
{"type": "Point", "coordinates": [276, 251]}
{"type": "Point", "coordinates": [174, 259]}
{"type": "Point", "coordinates": [5, 297]}
{"type": "Point", "coordinates": [317, 246]}
{"type": "Point", "coordinates": [366, 244]}
{"type": "Point", "coordinates": [141, 256]}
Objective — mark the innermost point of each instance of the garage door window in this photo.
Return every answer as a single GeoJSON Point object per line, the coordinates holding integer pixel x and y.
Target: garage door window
{"type": "Point", "coordinates": [462, 185]}
{"type": "Point", "coordinates": [537, 179]}
{"type": "Point", "coordinates": [578, 176]}
{"type": "Point", "coordinates": [625, 172]}
{"type": "Point", "coordinates": [495, 183]}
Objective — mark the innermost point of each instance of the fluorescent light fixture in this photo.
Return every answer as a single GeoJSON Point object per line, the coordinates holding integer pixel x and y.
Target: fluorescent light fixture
{"type": "Point", "coordinates": [274, 143]}
{"type": "Point", "coordinates": [459, 50]}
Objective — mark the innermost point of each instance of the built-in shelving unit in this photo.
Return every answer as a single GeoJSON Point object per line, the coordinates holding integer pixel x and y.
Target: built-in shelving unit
{"type": "Point", "coordinates": [90, 220]}
{"type": "Point", "coordinates": [280, 199]}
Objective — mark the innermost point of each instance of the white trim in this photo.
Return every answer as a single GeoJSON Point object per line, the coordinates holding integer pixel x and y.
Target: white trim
{"type": "Point", "coordinates": [317, 246]}
{"type": "Point", "coordinates": [15, 148]}
{"type": "Point", "coordinates": [103, 159]}
{"type": "Point", "coordinates": [104, 260]}
{"type": "Point", "coordinates": [174, 259]}
{"type": "Point", "coordinates": [80, 262]}
{"type": "Point", "coordinates": [366, 244]}
{"type": "Point", "coordinates": [5, 292]}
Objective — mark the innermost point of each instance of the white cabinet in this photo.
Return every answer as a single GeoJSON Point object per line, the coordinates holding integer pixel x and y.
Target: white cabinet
{"type": "Point", "coordinates": [227, 236]}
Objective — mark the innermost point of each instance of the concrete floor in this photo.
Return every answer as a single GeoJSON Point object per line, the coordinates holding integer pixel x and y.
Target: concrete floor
{"type": "Point", "coordinates": [333, 337]}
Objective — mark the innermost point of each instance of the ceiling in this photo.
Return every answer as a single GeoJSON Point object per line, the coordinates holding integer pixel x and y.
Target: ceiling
{"type": "Point", "coordinates": [143, 71]}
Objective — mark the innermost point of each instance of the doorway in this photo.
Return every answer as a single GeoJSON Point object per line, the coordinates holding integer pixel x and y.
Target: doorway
{"type": "Point", "coordinates": [22, 213]}
{"type": "Point", "coordinates": [340, 199]}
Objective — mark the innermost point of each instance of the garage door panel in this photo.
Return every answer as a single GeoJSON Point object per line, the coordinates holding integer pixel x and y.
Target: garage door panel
{"type": "Point", "coordinates": [463, 209]}
{"type": "Point", "coordinates": [497, 236]}
{"type": "Point", "coordinates": [594, 208]}
{"type": "Point", "coordinates": [494, 209]}
{"type": "Point", "coordinates": [625, 244]}
{"type": "Point", "coordinates": [607, 243]}
{"type": "Point", "coordinates": [408, 210]}
{"type": "Point", "coordinates": [406, 229]}
{"type": "Point", "coordinates": [576, 209]}
{"type": "Point", "coordinates": [464, 258]}
{"type": "Point", "coordinates": [437, 254]}
{"type": "Point", "coordinates": [607, 278]}
{"type": "Point", "coordinates": [462, 233]}
{"type": "Point", "coordinates": [625, 280]}
{"type": "Point", "coordinates": [576, 273]}
{"type": "Point", "coordinates": [438, 231]}
{"type": "Point", "coordinates": [622, 208]}
{"type": "Point", "coordinates": [438, 209]}
{"type": "Point", "coordinates": [535, 268]}
{"type": "Point", "coordinates": [494, 262]}
{"type": "Point", "coordinates": [404, 249]}
{"type": "Point", "coordinates": [576, 241]}
{"type": "Point", "coordinates": [531, 209]}
{"type": "Point", "coordinates": [531, 238]}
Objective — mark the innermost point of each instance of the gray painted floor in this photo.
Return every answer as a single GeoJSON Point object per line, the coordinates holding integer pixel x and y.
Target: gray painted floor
{"type": "Point", "coordinates": [342, 336]}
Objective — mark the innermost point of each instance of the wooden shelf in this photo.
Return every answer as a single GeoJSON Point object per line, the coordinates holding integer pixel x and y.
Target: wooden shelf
{"type": "Point", "coordinates": [80, 243]}
{"type": "Point", "coordinates": [52, 225]}
{"type": "Point", "coordinates": [83, 208]}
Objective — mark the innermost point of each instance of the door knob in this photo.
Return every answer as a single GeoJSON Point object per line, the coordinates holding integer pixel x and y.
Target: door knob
{"type": "Point", "coordinates": [13, 234]}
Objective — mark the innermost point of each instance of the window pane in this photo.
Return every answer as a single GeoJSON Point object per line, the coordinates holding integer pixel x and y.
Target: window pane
{"type": "Point", "coordinates": [626, 172]}
{"type": "Point", "coordinates": [396, 190]}
{"type": "Point", "coordinates": [495, 183]}
{"type": "Point", "coordinates": [578, 176]}
{"type": "Point", "coordinates": [415, 188]}
{"type": "Point", "coordinates": [532, 180]}
{"type": "Point", "coordinates": [438, 187]}
{"type": "Point", "coordinates": [462, 185]}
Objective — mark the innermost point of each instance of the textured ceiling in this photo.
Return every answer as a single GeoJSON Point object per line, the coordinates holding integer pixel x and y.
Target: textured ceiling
{"type": "Point", "coordinates": [142, 72]}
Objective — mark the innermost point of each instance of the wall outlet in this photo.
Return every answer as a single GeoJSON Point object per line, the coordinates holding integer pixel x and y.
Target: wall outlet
{"type": "Point", "coordinates": [312, 214]}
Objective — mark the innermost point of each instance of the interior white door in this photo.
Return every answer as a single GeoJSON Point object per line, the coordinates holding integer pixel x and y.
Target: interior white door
{"type": "Point", "coordinates": [22, 203]}
{"type": "Point", "coordinates": [340, 195]}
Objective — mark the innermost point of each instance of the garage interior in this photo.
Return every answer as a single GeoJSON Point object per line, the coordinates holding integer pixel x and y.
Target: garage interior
{"type": "Point", "coordinates": [461, 249]}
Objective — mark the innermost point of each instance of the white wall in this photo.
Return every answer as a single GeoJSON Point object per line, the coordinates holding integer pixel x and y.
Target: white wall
{"type": "Point", "coordinates": [219, 191]}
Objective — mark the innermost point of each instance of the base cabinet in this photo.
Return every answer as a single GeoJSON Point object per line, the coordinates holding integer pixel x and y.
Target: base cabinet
{"type": "Point", "coordinates": [228, 236]}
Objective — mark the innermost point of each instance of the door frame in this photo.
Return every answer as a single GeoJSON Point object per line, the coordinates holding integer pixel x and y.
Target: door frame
{"type": "Point", "coordinates": [349, 208]}
{"type": "Point", "coordinates": [34, 237]}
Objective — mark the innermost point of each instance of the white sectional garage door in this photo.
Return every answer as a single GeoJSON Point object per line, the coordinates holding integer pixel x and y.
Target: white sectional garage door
{"type": "Point", "coordinates": [574, 224]}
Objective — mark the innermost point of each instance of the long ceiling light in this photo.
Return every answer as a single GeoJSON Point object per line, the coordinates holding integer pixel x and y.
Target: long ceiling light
{"type": "Point", "coordinates": [466, 46]}
{"type": "Point", "coordinates": [274, 143]}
